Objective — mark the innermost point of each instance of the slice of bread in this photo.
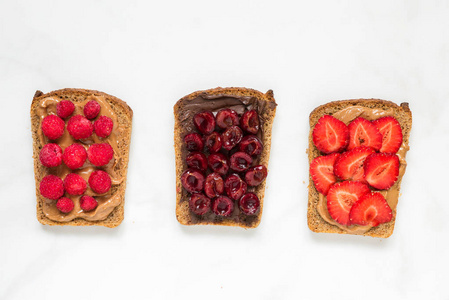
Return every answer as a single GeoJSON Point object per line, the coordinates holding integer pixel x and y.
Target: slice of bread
{"type": "Point", "coordinates": [122, 135]}
{"type": "Point", "coordinates": [183, 124]}
{"type": "Point", "coordinates": [401, 112]}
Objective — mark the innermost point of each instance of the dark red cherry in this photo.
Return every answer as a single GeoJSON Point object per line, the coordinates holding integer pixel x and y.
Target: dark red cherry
{"type": "Point", "coordinates": [199, 204]}
{"type": "Point", "coordinates": [218, 163]}
{"type": "Point", "coordinates": [255, 175]}
{"type": "Point", "coordinates": [231, 137]}
{"type": "Point", "coordinates": [223, 206]}
{"type": "Point", "coordinates": [204, 122]}
{"type": "Point", "coordinates": [192, 180]}
{"type": "Point", "coordinates": [250, 121]}
{"type": "Point", "coordinates": [235, 186]}
{"type": "Point", "coordinates": [214, 185]}
{"type": "Point", "coordinates": [227, 118]}
{"type": "Point", "coordinates": [213, 142]}
{"type": "Point", "coordinates": [240, 161]}
{"type": "Point", "coordinates": [194, 142]}
{"type": "Point", "coordinates": [197, 160]}
{"type": "Point", "coordinates": [251, 145]}
{"type": "Point", "coordinates": [249, 204]}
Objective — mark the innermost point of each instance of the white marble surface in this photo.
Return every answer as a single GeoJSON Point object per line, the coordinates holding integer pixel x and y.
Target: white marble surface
{"type": "Point", "coordinates": [151, 53]}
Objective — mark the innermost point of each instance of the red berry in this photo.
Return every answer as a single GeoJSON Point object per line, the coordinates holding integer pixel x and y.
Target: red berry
{"type": "Point", "coordinates": [240, 161]}
{"type": "Point", "coordinates": [251, 144]}
{"type": "Point", "coordinates": [322, 172]}
{"type": "Point", "coordinates": [213, 142]}
{"type": "Point", "coordinates": [364, 133]}
{"type": "Point", "coordinates": [74, 184]}
{"type": "Point", "coordinates": [192, 181]}
{"type": "Point", "coordinates": [249, 204]}
{"type": "Point", "coordinates": [51, 155]}
{"type": "Point", "coordinates": [372, 209]}
{"type": "Point", "coordinates": [74, 156]}
{"type": "Point", "coordinates": [79, 127]}
{"type": "Point", "coordinates": [214, 185]}
{"type": "Point", "coordinates": [349, 166]}
{"type": "Point", "coordinates": [100, 154]}
{"type": "Point", "coordinates": [381, 170]}
{"type": "Point", "coordinates": [65, 108]}
{"type": "Point", "coordinates": [218, 163]}
{"type": "Point", "coordinates": [250, 121]}
{"type": "Point", "coordinates": [88, 203]}
{"type": "Point", "coordinates": [227, 118]}
{"type": "Point", "coordinates": [231, 137]}
{"type": "Point", "coordinates": [391, 132]}
{"type": "Point", "coordinates": [193, 142]}
{"type": "Point", "coordinates": [51, 187]}
{"type": "Point", "coordinates": [197, 160]}
{"type": "Point", "coordinates": [91, 109]}
{"type": "Point", "coordinates": [223, 206]}
{"type": "Point", "coordinates": [103, 126]}
{"type": "Point", "coordinates": [99, 181]}
{"type": "Point", "coordinates": [53, 127]}
{"type": "Point", "coordinates": [65, 205]}
{"type": "Point", "coordinates": [204, 122]}
{"type": "Point", "coordinates": [235, 186]}
{"type": "Point", "coordinates": [330, 135]}
{"type": "Point", "coordinates": [255, 175]}
{"type": "Point", "coordinates": [199, 204]}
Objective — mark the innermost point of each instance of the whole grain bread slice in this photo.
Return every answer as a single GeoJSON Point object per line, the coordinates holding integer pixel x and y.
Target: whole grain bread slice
{"type": "Point", "coordinates": [401, 112]}
{"type": "Point", "coordinates": [124, 116]}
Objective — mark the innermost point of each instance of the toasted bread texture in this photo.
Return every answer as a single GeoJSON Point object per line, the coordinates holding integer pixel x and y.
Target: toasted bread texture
{"type": "Point", "coordinates": [401, 112]}
{"type": "Point", "coordinates": [124, 116]}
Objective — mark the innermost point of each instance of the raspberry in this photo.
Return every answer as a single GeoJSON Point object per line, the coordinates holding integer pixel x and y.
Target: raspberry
{"type": "Point", "coordinates": [103, 126]}
{"type": "Point", "coordinates": [79, 127]}
{"type": "Point", "coordinates": [91, 109]}
{"type": "Point", "coordinates": [65, 205]}
{"type": "Point", "coordinates": [100, 154]}
{"type": "Point", "coordinates": [65, 108]}
{"type": "Point", "coordinates": [88, 203]}
{"type": "Point", "coordinates": [74, 184]}
{"type": "Point", "coordinates": [51, 155]}
{"type": "Point", "coordinates": [74, 156]}
{"type": "Point", "coordinates": [53, 127]}
{"type": "Point", "coordinates": [100, 182]}
{"type": "Point", "coordinates": [51, 187]}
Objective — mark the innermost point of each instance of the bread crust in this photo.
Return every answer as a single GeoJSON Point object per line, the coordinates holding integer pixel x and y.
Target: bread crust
{"type": "Point", "coordinates": [124, 115]}
{"type": "Point", "coordinates": [401, 112]}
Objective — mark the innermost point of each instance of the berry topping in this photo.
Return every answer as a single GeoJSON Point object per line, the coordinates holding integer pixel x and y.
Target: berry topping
{"type": "Point", "coordinates": [255, 175]}
{"type": "Point", "coordinates": [65, 108]}
{"type": "Point", "coordinates": [193, 142]}
{"type": "Point", "coordinates": [341, 198]}
{"type": "Point", "coordinates": [92, 109]}
{"type": "Point", "coordinates": [330, 135]}
{"type": "Point", "coordinates": [100, 154]}
{"type": "Point", "coordinates": [65, 205]}
{"type": "Point", "coordinates": [192, 181]}
{"type": "Point", "coordinates": [88, 203]}
{"type": "Point", "coordinates": [53, 127]}
{"type": "Point", "coordinates": [197, 160]}
{"type": "Point", "coordinates": [372, 209]}
{"type": "Point", "coordinates": [250, 121]}
{"type": "Point", "coordinates": [322, 172]}
{"type": "Point", "coordinates": [231, 137]}
{"type": "Point", "coordinates": [204, 122]}
{"type": "Point", "coordinates": [251, 144]}
{"type": "Point", "coordinates": [223, 206]}
{"type": "Point", "coordinates": [235, 186]}
{"type": "Point", "coordinates": [381, 170]}
{"type": "Point", "coordinates": [79, 127]}
{"type": "Point", "coordinates": [213, 142]}
{"type": "Point", "coordinates": [214, 185]}
{"type": "Point", "coordinates": [349, 166]}
{"type": "Point", "coordinates": [391, 132]}
{"type": "Point", "coordinates": [74, 184]}
{"type": "Point", "coordinates": [103, 126]}
{"type": "Point", "coordinates": [99, 181]}
{"type": "Point", "coordinates": [51, 187]}
{"type": "Point", "coordinates": [199, 204]}
{"type": "Point", "coordinates": [364, 133]}
{"type": "Point", "coordinates": [74, 156]}
{"type": "Point", "coordinates": [227, 118]}
{"type": "Point", "coordinates": [51, 155]}
{"type": "Point", "coordinates": [240, 161]}
{"type": "Point", "coordinates": [249, 204]}
{"type": "Point", "coordinates": [218, 163]}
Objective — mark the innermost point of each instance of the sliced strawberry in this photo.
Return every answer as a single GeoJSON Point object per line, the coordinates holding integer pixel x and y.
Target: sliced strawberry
{"type": "Point", "coordinates": [330, 135]}
{"type": "Point", "coordinates": [372, 209]}
{"type": "Point", "coordinates": [322, 172]}
{"type": "Point", "coordinates": [381, 170]}
{"type": "Point", "coordinates": [391, 132]}
{"type": "Point", "coordinates": [349, 166]}
{"type": "Point", "coordinates": [341, 198]}
{"type": "Point", "coordinates": [364, 133]}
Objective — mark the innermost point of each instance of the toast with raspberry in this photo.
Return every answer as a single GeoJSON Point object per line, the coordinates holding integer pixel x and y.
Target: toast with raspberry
{"type": "Point", "coordinates": [81, 141]}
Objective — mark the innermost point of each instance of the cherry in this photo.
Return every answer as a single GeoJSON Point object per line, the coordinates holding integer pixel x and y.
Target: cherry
{"type": "Point", "coordinates": [250, 121]}
{"type": "Point", "coordinates": [213, 142]}
{"type": "Point", "coordinates": [218, 163]}
{"type": "Point", "coordinates": [214, 186]}
{"type": "Point", "coordinates": [193, 142]}
{"type": "Point", "coordinates": [227, 118]}
{"type": "Point", "coordinates": [255, 175]}
{"type": "Point", "coordinates": [240, 161]}
{"type": "Point", "coordinates": [223, 206]}
{"type": "Point", "coordinates": [199, 204]}
{"type": "Point", "coordinates": [249, 204]}
{"type": "Point", "coordinates": [204, 122]}
{"type": "Point", "coordinates": [235, 186]}
{"type": "Point", "coordinates": [197, 160]}
{"type": "Point", "coordinates": [251, 144]}
{"type": "Point", "coordinates": [231, 137]}
{"type": "Point", "coordinates": [192, 180]}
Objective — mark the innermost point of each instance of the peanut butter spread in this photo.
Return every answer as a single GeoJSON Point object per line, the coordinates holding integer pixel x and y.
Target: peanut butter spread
{"type": "Point", "coordinates": [106, 202]}
{"type": "Point", "coordinates": [391, 195]}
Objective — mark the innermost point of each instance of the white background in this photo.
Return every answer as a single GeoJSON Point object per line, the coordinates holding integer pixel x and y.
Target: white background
{"type": "Point", "coordinates": [150, 54]}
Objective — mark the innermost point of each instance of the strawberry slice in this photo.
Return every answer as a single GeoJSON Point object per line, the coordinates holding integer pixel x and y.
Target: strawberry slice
{"type": "Point", "coordinates": [372, 209]}
{"type": "Point", "coordinates": [349, 166]}
{"type": "Point", "coordinates": [391, 132]}
{"type": "Point", "coordinates": [341, 198]}
{"type": "Point", "coordinates": [381, 170]}
{"type": "Point", "coordinates": [322, 172]}
{"type": "Point", "coordinates": [364, 133]}
{"type": "Point", "coordinates": [330, 135]}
